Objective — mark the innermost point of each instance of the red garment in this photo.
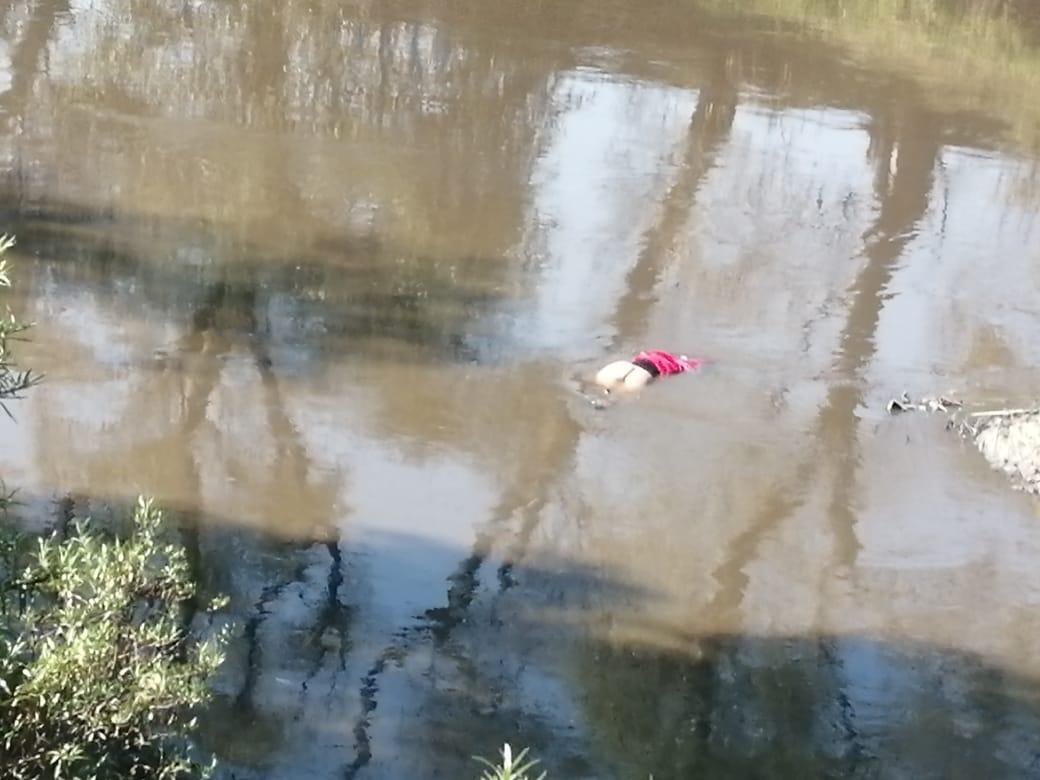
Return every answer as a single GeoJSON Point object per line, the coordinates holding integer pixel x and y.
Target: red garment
{"type": "Point", "coordinates": [666, 363]}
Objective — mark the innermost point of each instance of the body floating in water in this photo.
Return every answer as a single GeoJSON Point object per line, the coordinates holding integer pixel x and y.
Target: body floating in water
{"type": "Point", "coordinates": [643, 369]}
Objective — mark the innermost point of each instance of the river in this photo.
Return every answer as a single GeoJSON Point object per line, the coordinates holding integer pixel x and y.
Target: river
{"type": "Point", "coordinates": [324, 277]}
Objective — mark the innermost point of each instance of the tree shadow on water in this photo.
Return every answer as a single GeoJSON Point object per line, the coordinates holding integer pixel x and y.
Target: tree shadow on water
{"type": "Point", "coordinates": [572, 664]}
{"type": "Point", "coordinates": [804, 706]}
{"type": "Point", "coordinates": [567, 662]}
{"type": "Point", "coordinates": [350, 659]}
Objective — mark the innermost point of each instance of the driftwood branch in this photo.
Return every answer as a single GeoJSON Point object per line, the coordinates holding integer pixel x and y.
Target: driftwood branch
{"type": "Point", "coordinates": [1002, 413]}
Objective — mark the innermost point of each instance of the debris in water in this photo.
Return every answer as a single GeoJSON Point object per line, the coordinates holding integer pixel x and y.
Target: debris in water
{"type": "Point", "coordinates": [927, 404]}
{"type": "Point", "coordinates": [1009, 439]}
{"type": "Point", "coordinates": [901, 404]}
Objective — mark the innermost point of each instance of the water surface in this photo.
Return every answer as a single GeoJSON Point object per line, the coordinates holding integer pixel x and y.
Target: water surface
{"type": "Point", "coordinates": [321, 278]}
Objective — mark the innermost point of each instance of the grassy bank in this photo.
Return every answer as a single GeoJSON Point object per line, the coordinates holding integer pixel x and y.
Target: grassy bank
{"type": "Point", "coordinates": [969, 54]}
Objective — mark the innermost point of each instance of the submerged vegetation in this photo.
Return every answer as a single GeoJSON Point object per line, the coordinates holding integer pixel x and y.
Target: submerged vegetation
{"type": "Point", "coordinates": [974, 52]}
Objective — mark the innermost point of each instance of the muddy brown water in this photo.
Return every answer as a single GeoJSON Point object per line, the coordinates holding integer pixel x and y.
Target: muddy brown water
{"type": "Point", "coordinates": [321, 277]}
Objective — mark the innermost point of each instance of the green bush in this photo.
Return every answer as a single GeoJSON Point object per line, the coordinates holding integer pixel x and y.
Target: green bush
{"type": "Point", "coordinates": [99, 676]}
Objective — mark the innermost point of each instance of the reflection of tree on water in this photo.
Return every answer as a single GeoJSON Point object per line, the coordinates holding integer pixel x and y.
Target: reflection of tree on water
{"type": "Point", "coordinates": [372, 113]}
{"type": "Point", "coordinates": [556, 433]}
{"type": "Point", "coordinates": [911, 142]}
{"type": "Point", "coordinates": [709, 130]}
{"type": "Point", "coordinates": [738, 706]}
{"type": "Point", "coordinates": [551, 441]}
{"type": "Point", "coordinates": [912, 139]}
{"type": "Point", "coordinates": [290, 480]}
{"type": "Point", "coordinates": [29, 51]}
{"type": "Point", "coordinates": [469, 119]}
{"type": "Point", "coordinates": [903, 204]}
{"type": "Point", "coordinates": [903, 196]}
{"type": "Point", "coordinates": [295, 315]}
